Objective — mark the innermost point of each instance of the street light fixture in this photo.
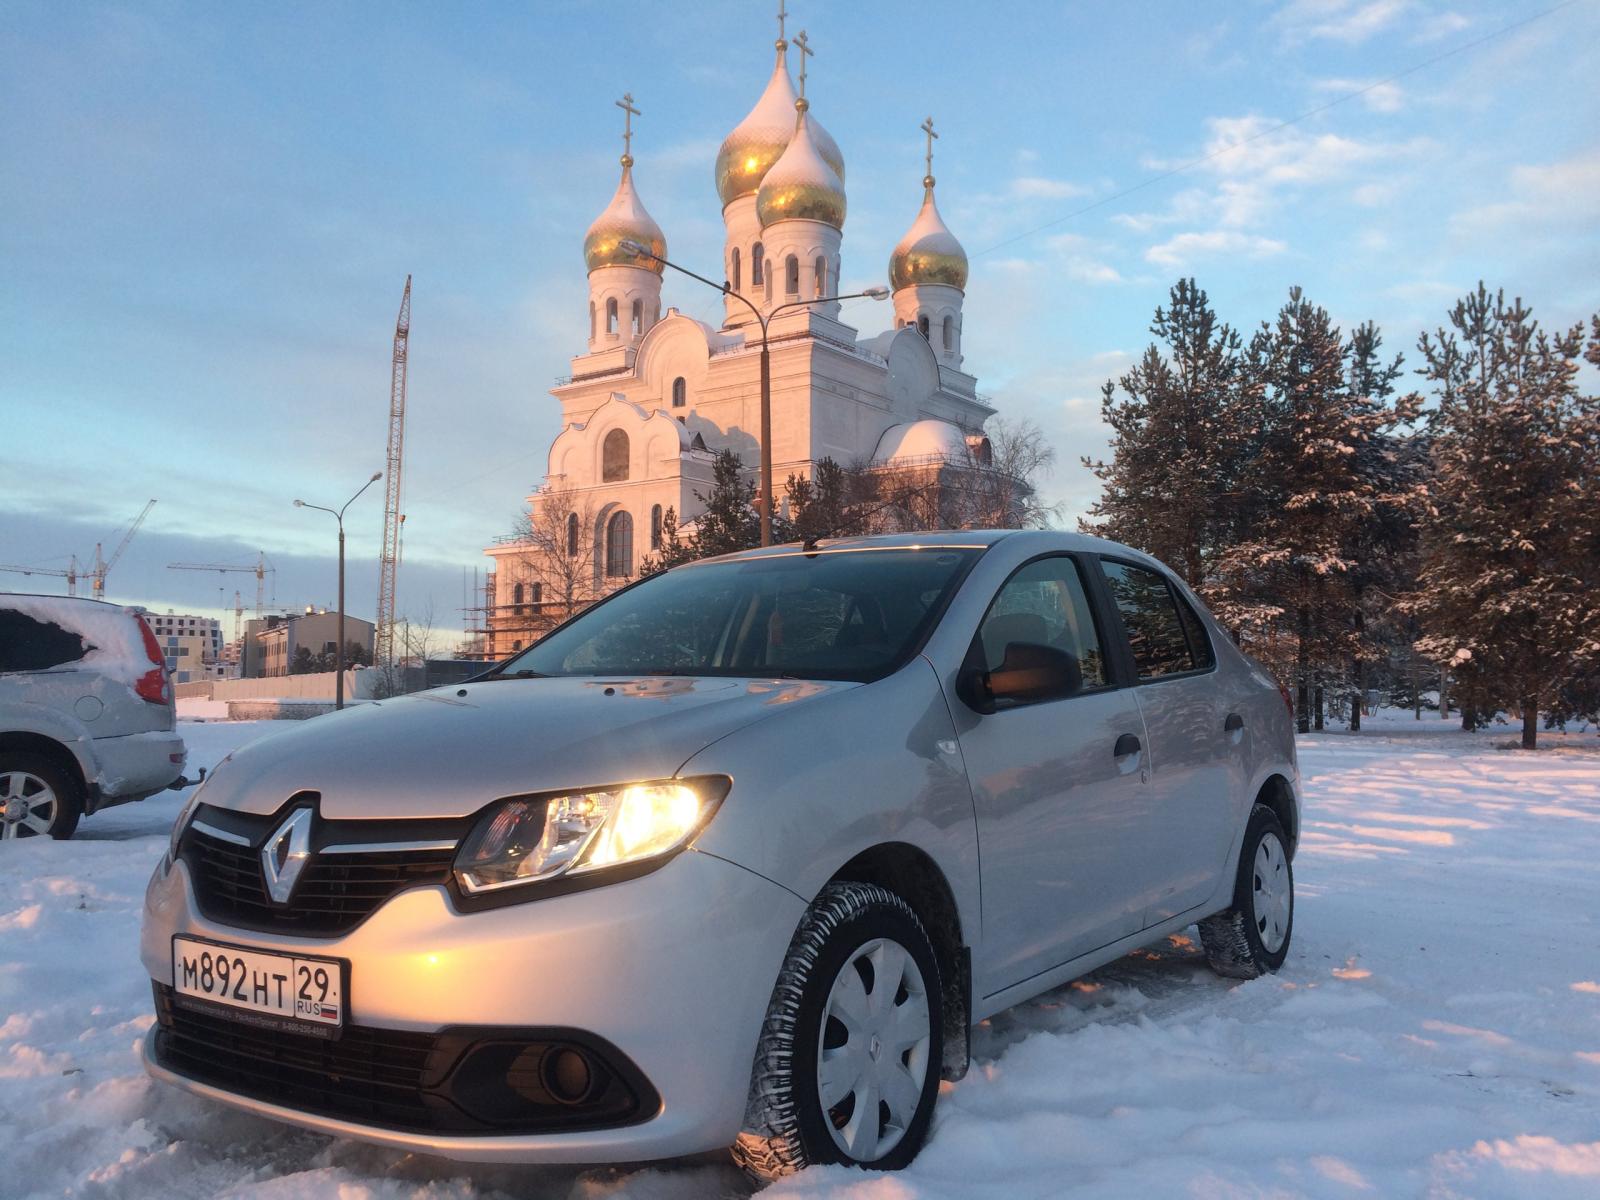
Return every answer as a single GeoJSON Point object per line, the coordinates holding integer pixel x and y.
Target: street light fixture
{"type": "Point", "coordinates": [338, 649]}
{"type": "Point", "coordinates": [871, 293]}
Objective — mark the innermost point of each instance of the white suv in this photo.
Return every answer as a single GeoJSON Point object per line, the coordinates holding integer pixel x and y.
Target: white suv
{"type": "Point", "coordinates": [737, 856]}
{"type": "Point", "coordinates": [86, 713]}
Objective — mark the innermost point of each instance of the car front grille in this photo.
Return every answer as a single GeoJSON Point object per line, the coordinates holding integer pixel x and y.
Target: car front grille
{"type": "Point", "coordinates": [335, 892]}
{"type": "Point", "coordinates": [463, 1080]}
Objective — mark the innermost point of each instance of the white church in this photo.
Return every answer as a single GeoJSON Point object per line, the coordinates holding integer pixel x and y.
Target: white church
{"type": "Point", "coordinates": [656, 393]}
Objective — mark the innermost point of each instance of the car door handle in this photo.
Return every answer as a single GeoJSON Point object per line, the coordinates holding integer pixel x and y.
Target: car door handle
{"type": "Point", "coordinates": [1233, 724]}
{"type": "Point", "coordinates": [1126, 744]}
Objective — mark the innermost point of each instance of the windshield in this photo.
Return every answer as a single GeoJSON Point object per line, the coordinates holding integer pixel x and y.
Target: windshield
{"type": "Point", "coordinates": [839, 614]}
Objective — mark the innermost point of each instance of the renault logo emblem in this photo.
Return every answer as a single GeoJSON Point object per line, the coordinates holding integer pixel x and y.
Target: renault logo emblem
{"type": "Point", "coordinates": [285, 854]}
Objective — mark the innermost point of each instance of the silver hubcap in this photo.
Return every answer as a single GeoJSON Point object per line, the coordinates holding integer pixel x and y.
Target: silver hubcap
{"type": "Point", "coordinates": [872, 1057]}
{"type": "Point", "coordinates": [1274, 893]}
{"type": "Point", "coordinates": [27, 805]}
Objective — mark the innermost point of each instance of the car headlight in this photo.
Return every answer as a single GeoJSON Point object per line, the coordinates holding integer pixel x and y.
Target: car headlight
{"type": "Point", "coordinates": [536, 839]}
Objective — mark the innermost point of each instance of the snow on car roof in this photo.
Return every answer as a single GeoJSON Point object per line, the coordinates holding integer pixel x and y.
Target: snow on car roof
{"type": "Point", "coordinates": [117, 644]}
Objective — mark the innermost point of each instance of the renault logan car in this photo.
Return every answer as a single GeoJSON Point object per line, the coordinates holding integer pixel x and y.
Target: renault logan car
{"type": "Point", "coordinates": [737, 856]}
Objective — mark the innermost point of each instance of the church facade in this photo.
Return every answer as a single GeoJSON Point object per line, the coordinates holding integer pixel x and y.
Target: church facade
{"type": "Point", "coordinates": [655, 394]}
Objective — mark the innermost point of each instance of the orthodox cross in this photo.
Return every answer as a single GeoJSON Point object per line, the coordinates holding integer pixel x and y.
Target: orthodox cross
{"type": "Point", "coordinates": [629, 113]}
{"type": "Point", "coordinates": [781, 15]}
{"type": "Point", "coordinates": [806, 52]}
{"type": "Point", "coordinates": [927, 128]}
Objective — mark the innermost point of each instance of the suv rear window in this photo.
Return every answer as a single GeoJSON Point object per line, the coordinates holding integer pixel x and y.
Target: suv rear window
{"type": "Point", "coordinates": [28, 644]}
{"type": "Point", "coordinates": [1150, 615]}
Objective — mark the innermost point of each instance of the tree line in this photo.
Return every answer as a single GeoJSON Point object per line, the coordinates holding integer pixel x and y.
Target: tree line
{"type": "Point", "coordinates": [1346, 529]}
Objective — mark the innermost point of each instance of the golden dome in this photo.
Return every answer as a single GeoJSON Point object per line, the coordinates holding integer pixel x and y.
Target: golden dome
{"type": "Point", "coordinates": [802, 185]}
{"type": "Point", "coordinates": [929, 252]}
{"type": "Point", "coordinates": [624, 220]}
{"type": "Point", "coordinates": [760, 139]}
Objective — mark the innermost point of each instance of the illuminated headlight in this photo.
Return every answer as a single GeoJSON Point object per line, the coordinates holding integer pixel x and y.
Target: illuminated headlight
{"type": "Point", "coordinates": [542, 838]}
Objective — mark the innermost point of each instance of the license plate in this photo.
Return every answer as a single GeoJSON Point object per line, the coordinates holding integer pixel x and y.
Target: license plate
{"type": "Point", "coordinates": [276, 989]}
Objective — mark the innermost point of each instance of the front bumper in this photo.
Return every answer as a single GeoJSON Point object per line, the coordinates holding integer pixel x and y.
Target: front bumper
{"type": "Point", "coordinates": [674, 970]}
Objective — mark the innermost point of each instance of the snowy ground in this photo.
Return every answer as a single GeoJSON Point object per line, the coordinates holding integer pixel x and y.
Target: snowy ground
{"type": "Point", "coordinates": [1435, 1033]}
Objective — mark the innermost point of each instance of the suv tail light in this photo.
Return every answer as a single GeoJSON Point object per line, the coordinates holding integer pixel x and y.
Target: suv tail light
{"type": "Point", "coordinates": [152, 685]}
{"type": "Point", "coordinates": [1288, 699]}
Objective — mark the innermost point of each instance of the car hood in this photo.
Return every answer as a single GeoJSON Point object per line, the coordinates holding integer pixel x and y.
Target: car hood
{"type": "Point", "coordinates": [450, 751]}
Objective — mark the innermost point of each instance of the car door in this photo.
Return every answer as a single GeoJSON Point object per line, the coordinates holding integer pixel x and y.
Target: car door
{"type": "Point", "coordinates": [1191, 738]}
{"type": "Point", "coordinates": [1060, 805]}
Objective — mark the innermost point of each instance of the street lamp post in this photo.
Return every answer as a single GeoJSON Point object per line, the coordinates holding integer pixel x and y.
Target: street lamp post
{"type": "Point", "coordinates": [338, 649]}
{"type": "Point", "coordinates": [871, 293]}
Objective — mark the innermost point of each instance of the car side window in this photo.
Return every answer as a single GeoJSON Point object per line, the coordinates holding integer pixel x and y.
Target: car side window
{"type": "Point", "coordinates": [29, 644]}
{"type": "Point", "coordinates": [1199, 641]}
{"type": "Point", "coordinates": [1150, 615]}
{"type": "Point", "coordinates": [1045, 603]}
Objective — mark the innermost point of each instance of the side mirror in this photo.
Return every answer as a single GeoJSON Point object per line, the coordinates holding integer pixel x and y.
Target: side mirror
{"type": "Point", "coordinates": [1029, 674]}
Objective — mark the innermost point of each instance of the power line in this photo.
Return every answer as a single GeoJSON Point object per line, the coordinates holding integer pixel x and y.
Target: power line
{"type": "Point", "coordinates": [1279, 127]}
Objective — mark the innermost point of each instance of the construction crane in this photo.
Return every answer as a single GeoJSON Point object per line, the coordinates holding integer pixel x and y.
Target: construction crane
{"type": "Point", "coordinates": [70, 574]}
{"type": "Point", "coordinates": [261, 570]}
{"type": "Point", "coordinates": [103, 565]}
{"type": "Point", "coordinates": [393, 520]}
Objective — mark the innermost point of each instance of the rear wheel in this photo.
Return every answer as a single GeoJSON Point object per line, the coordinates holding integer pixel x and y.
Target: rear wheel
{"type": "Point", "coordinates": [37, 798]}
{"type": "Point", "coordinates": [846, 1070]}
{"type": "Point", "coordinates": [1252, 937]}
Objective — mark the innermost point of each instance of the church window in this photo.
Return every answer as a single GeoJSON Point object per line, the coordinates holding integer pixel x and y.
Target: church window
{"type": "Point", "coordinates": [949, 333]}
{"type": "Point", "coordinates": [638, 317]}
{"type": "Point", "coordinates": [515, 646]}
{"type": "Point", "coordinates": [758, 265]}
{"type": "Point", "coordinates": [922, 324]}
{"type": "Point", "coordinates": [655, 527]}
{"type": "Point", "coordinates": [821, 266]}
{"type": "Point", "coordinates": [614, 457]}
{"type": "Point", "coordinates": [791, 276]}
{"type": "Point", "coordinates": [516, 597]}
{"type": "Point", "coordinates": [572, 535]}
{"type": "Point", "coordinates": [680, 392]}
{"type": "Point", "coordinates": [591, 320]}
{"type": "Point", "coordinates": [538, 593]}
{"type": "Point", "coordinates": [733, 269]}
{"type": "Point", "coordinates": [619, 545]}
{"type": "Point", "coordinates": [611, 315]}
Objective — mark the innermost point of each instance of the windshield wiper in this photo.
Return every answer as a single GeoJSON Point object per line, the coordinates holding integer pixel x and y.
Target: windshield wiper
{"type": "Point", "coordinates": [516, 675]}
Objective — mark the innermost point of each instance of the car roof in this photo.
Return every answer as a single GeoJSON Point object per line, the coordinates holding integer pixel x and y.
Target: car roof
{"type": "Point", "coordinates": [4, 596]}
{"type": "Point", "coordinates": [968, 539]}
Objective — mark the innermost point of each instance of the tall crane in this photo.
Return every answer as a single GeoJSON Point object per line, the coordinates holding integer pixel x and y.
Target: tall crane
{"type": "Point", "coordinates": [261, 570]}
{"type": "Point", "coordinates": [393, 520]}
{"type": "Point", "coordinates": [103, 565]}
{"type": "Point", "coordinates": [70, 574]}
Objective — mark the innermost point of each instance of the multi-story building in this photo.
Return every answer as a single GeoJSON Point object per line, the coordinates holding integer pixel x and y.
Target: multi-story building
{"type": "Point", "coordinates": [191, 645]}
{"type": "Point", "coordinates": [655, 396]}
{"type": "Point", "coordinates": [280, 639]}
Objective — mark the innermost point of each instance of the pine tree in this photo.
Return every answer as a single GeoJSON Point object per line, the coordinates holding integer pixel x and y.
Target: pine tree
{"type": "Point", "coordinates": [1182, 440]}
{"type": "Point", "coordinates": [1320, 489]}
{"type": "Point", "coordinates": [731, 521]}
{"type": "Point", "coordinates": [834, 502]}
{"type": "Point", "coordinates": [1511, 540]}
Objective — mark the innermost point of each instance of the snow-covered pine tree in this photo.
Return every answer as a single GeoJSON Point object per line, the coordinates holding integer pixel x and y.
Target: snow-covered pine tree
{"type": "Point", "coordinates": [1320, 488]}
{"type": "Point", "coordinates": [1183, 434]}
{"type": "Point", "coordinates": [1511, 533]}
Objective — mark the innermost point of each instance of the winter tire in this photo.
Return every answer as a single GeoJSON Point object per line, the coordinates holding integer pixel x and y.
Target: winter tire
{"type": "Point", "coordinates": [1252, 937]}
{"type": "Point", "coordinates": [37, 798]}
{"type": "Point", "coordinates": [847, 1068]}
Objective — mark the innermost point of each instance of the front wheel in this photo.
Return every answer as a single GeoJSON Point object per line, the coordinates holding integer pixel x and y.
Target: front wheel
{"type": "Point", "coordinates": [847, 1067]}
{"type": "Point", "coordinates": [1252, 937]}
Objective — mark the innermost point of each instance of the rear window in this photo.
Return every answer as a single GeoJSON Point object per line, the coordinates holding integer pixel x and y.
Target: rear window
{"type": "Point", "coordinates": [1150, 615]}
{"type": "Point", "coordinates": [29, 644]}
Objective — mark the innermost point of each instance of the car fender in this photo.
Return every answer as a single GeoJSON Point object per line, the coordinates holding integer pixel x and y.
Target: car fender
{"type": "Point", "coordinates": [866, 767]}
{"type": "Point", "coordinates": [60, 727]}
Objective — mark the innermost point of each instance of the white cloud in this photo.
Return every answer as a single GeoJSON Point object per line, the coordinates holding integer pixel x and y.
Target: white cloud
{"type": "Point", "coordinates": [1186, 247]}
{"type": "Point", "coordinates": [1564, 193]}
{"type": "Point", "coordinates": [1348, 21]}
{"type": "Point", "coordinates": [1378, 97]}
{"type": "Point", "coordinates": [1036, 187]}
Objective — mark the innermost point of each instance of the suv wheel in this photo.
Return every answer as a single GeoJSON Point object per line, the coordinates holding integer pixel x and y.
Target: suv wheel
{"type": "Point", "coordinates": [37, 798]}
{"type": "Point", "coordinates": [1252, 937]}
{"type": "Point", "coordinates": [847, 1067]}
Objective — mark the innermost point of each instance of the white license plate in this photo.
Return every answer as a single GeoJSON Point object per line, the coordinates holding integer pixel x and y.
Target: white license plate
{"type": "Point", "coordinates": [281, 986]}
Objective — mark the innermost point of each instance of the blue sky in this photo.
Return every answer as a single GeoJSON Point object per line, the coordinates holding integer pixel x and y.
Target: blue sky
{"type": "Point", "coordinates": [210, 210]}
